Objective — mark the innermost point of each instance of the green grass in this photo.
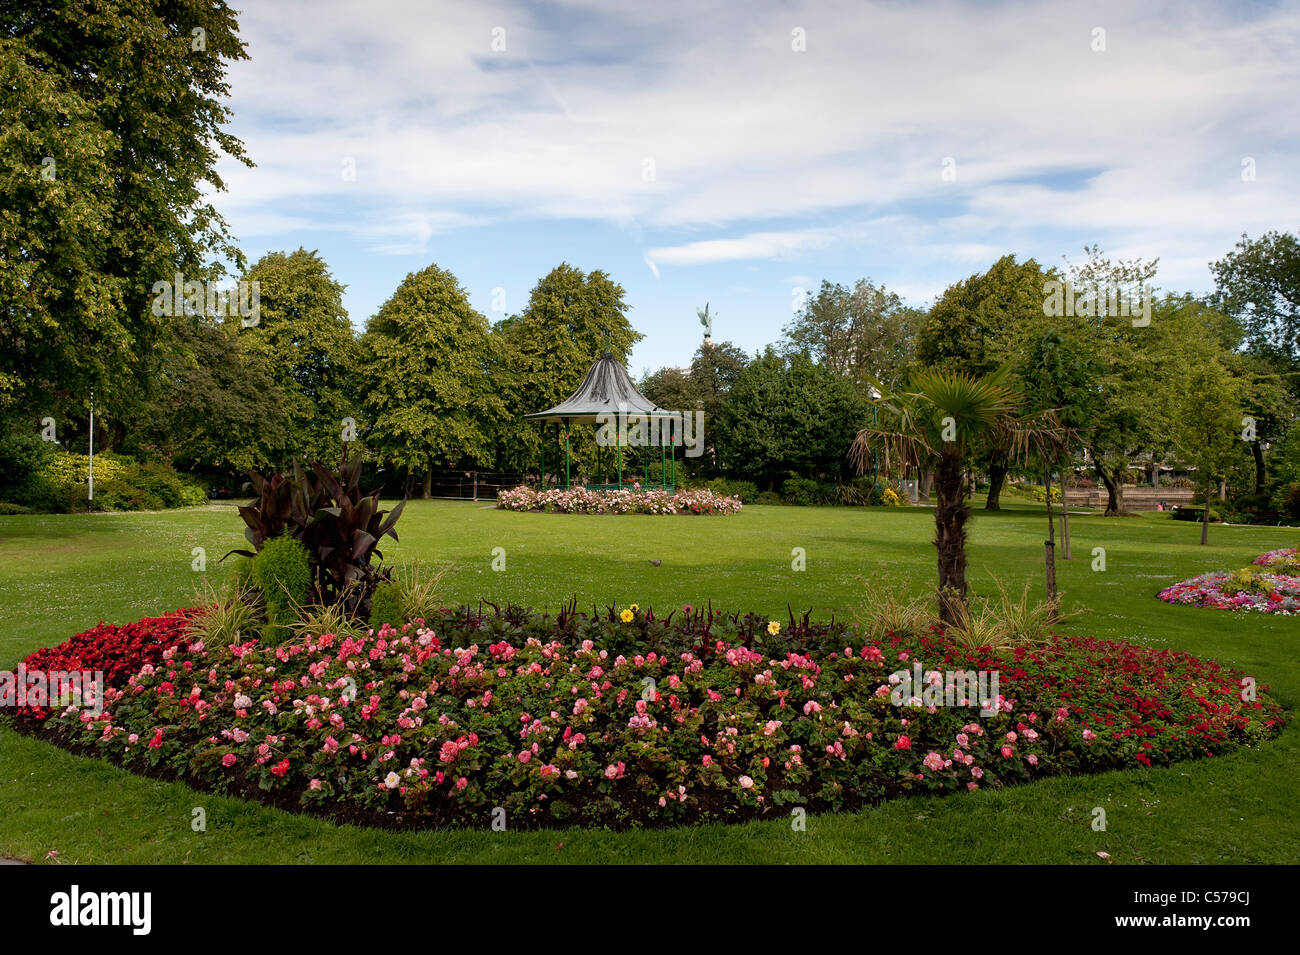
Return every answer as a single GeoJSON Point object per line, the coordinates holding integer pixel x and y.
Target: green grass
{"type": "Point", "coordinates": [62, 574]}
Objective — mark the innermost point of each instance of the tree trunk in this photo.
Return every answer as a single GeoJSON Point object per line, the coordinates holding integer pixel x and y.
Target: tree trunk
{"type": "Point", "coordinates": [1065, 528]}
{"type": "Point", "coordinates": [428, 484]}
{"type": "Point", "coordinates": [1205, 516]}
{"type": "Point", "coordinates": [1260, 476]}
{"type": "Point", "coordinates": [950, 516]}
{"type": "Point", "coordinates": [1049, 549]}
{"type": "Point", "coordinates": [925, 483]}
{"type": "Point", "coordinates": [1114, 493]}
{"type": "Point", "coordinates": [997, 477]}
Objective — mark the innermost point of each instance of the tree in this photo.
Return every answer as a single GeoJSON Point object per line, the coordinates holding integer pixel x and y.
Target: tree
{"type": "Point", "coordinates": [113, 128]}
{"type": "Point", "coordinates": [304, 336]}
{"type": "Point", "coordinates": [429, 395]}
{"type": "Point", "coordinates": [1259, 284]}
{"type": "Point", "coordinates": [939, 420]}
{"type": "Point", "coordinates": [864, 332]}
{"type": "Point", "coordinates": [548, 348]}
{"type": "Point", "coordinates": [787, 416]}
{"type": "Point", "coordinates": [213, 407]}
{"type": "Point", "coordinates": [1209, 421]}
{"type": "Point", "coordinates": [981, 324]}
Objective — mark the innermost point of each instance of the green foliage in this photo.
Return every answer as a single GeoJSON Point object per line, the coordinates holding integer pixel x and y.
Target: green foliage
{"type": "Point", "coordinates": [338, 524]}
{"type": "Point", "coordinates": [769, 497]}
{"type": "Point", "coordinates": [545, 351]}
{"type": "Point", "coordinates": [1258, 283]}
{"type": "Point", "coordinates": [805, 492]}
{"type": "Point", "coordinates": [859, 332]}
{"type": "Point", "coordinates": [747, 491]}
{"type": "Point", "coordinates": [979, 323]}
{"type": "Point", "coordinates": [787, 416]}
{"type": "Point", "coordinates": [149, 486]}
{"type": "Point", "coordinates": [303, 337]}
{"type": "Point", "coordinates": [282, 571]}
{"type": "Point", "coordinates": [133, 121]}
{"type": "Point", "coordinates": [215, 404]}
{"type": "Point", "coordinates": [386, 605]}
{"type": "Point", "coordinates": [429, 397]}
{"type": "Point", "coordinates": [1040, 493]}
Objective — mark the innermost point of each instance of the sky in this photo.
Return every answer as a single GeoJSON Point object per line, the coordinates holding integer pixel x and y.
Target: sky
{"type": "Point", "coordinates": [740, 152]}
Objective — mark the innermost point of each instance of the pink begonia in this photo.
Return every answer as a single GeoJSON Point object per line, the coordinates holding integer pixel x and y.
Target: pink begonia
{"type": "Point", "coordinates": [229, 760]}
{"type": "Point", "coordinates": [1006, 752]}
{"type": "Point", "coordinates": [614, 771]}
{"type": "Point", "coordinates": [933, 762]}
{"type": "Point", "coordinates": [746, 782]}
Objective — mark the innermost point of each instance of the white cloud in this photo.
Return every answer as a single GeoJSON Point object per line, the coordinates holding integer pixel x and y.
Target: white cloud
{"type": "Point", "coordinates": [1140, 145]}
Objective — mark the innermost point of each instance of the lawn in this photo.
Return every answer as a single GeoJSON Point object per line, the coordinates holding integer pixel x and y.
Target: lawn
{"type": "Point", "coordinates": [62, 574]}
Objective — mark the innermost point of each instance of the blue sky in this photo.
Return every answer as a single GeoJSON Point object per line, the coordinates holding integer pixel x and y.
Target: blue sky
{"type": "Point", "coordinates": [738, 152]}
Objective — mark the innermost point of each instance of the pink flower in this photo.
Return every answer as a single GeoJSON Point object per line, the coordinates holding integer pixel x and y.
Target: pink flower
{"type": "Point", "coordinates": [229, 760]}
{"type": "Point", "coordinates": [933, 762]}
{"type": "Point", "coordinates": [746, 782]}
{"type": "Point", "coordinates": [1006, 752]}
{"type": "Point", "coordinates": [614, 770]}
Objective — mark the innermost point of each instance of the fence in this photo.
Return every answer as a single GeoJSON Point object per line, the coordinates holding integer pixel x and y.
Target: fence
{"type": "Point", "coordinates": [469, 485]}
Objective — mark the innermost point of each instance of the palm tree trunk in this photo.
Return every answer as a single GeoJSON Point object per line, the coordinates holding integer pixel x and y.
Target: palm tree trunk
{"type": "Point", "coordinates": [950, 516]}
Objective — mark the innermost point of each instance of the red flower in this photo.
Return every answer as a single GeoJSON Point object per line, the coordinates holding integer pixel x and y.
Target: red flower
{"type": "Point", "coordinates": [280, 768]}
{"type": "Point", "coordinates": [156, 742]}
{"type": "Point", "coordinates": [902, 743]}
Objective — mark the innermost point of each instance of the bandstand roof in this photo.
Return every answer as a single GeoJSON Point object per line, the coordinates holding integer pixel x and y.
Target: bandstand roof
{"type": "Point", "coordinates": [607, 390]}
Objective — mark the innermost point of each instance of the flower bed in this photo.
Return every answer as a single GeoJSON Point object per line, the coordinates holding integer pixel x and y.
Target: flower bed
{"type": "Point", "coordinates": [1271, 584]}
{"type": "Point", "coordinates": [119, 652]}
{"type": "Point", "coordinates": [618, 718]}
{"type": "Point", "coordinates": [579, 500]}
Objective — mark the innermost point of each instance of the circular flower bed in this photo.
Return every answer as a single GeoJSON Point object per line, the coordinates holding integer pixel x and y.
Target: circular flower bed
{"type": "Point", "coordinates": [580, 500]}
{"type": "Point", "coordinates": [1270, 585]}
{"type": "Point", "coordinates": [620, 718]}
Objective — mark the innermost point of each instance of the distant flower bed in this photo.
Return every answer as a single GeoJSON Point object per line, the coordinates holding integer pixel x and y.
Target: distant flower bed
{"type": "Point", "coordinates": [622, 718]}
{"type": "Point", "coordinates": [579, 500]}
{"type": "Point", "coordinates": [1271, 584]}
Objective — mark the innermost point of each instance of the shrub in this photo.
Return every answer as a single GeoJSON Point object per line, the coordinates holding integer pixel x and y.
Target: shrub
{"type": "Point", "coordinates": [549, 718]}
{"type": "Point", "coordinates": [769, 498]}
{"type": "Point", "coordinates": [146, 487]}
{"type": "Point", "coordinates": [744, 491]}
{"type": "Point", "coordinates": [339, 525]}
{"type": "Point", "coordinates": [7, 508]}
{"type": "Point", "coordinates": [805, 492]}
{"type": "Point", "coordinates": [386, 605]}
{"type": "Point", "coordinates": [282, 571]}
{"type": "Point", "coordinates": [1040, 494]}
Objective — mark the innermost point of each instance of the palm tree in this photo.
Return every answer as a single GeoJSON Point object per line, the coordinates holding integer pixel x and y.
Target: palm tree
{"type": "Point", "coordinates": [936, 422]}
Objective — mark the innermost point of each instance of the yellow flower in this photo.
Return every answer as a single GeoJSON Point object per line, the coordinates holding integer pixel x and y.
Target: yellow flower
{"type": "Point", "coordinates": [633, 607]}
{"type": "Point", "coordinates": [773, 627]}
{"type": "Point", "coordinates": [626, 616]}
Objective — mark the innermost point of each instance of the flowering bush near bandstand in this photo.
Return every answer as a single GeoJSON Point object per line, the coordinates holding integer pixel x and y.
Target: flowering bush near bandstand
{"type": "Point", "coordinates": [580, 500]}
{"type": "Point", "coordinates": [1271, 584]}
{"type": "Point", "coordinates": [620, 718]}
